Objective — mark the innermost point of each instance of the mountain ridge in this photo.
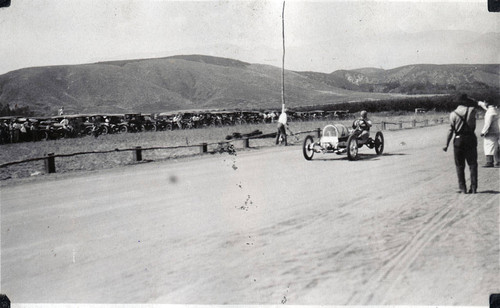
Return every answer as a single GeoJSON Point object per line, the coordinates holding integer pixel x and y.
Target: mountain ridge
{"type": "Point", "coordinates": [205, 82]}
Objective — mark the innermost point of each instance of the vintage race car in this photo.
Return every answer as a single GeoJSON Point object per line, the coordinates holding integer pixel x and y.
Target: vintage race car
{"type": "Point", "coordinates": [338, 139]}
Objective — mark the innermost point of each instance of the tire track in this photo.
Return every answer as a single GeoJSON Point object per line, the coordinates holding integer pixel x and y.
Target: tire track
{"type": "Point", "coordinates": [383, 280]}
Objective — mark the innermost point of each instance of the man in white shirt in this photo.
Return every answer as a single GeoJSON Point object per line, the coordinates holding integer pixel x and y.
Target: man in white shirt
{"type": "Point", "coordinates": [64, 122]}
{"type": "Point", "coordinates": [282, 123]}
{"type": "Point", "coordinates": [491, 134]}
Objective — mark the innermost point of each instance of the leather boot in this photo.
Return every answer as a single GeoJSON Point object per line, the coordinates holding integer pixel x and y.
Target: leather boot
{"type": "Point", "coordinates": [489, 161]}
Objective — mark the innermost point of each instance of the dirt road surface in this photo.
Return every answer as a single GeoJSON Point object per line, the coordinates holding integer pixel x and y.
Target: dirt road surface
{"type": "Point", "coordinates": [260, 227]}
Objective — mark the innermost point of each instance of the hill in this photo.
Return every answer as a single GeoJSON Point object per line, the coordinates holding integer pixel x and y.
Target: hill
{"type": "Point", "coordinates": [203, 82]}
{"type": "Point", "coordinates": [416, 79]}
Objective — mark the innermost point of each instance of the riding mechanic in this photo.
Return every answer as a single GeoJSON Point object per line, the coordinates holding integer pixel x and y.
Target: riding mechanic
{"type": "Point", "coordinates": [364, 124]}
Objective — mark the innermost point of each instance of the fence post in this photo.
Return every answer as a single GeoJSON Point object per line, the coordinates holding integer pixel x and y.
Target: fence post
{"type": "Point", "coordinates": [414, 123]}
{"type": "Point", "coordinates": [400, 125]}
{"type": "Point", "coordinates": [426, 122]}
{"type": "Point", "coordinates": [246, 143]}
{"type": "Point", "coordinates": [318, 132]}
{"type": "Point", "coordinates": [383, 125]}
{"type": "Point", "coordinates": [50, 163]}
{"type": "Point", "coordinates": [138, 154]}
{"type": "Point", "coordinates": [203, 148]}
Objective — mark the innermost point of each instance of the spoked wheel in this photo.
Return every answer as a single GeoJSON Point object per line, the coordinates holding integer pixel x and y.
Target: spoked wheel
{"type": "Point", "coordinates": [105, 130]}
{"type": "Point", "coordinates": [307, 148]}
{"type": "Point", "coordinates": [379, 143]}
{"type": "Point", "coordinates": [352, 147]}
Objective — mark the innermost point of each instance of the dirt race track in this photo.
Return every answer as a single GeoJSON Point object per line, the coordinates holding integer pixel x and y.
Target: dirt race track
{"type": "Point", "coordinates": [262, 227]}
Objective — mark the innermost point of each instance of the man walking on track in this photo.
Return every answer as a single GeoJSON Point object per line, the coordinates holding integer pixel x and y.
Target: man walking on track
{"type": "Point", "coordinates": [463, 124]}
{"type": "Point", "coordinates": [282, 123]}
{"type": "Point", "coordinates": [491, 134]}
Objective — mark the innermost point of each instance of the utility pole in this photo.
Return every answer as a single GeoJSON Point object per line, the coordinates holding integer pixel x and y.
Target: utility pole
{"type": "Point", "coordinates": [283, 60]}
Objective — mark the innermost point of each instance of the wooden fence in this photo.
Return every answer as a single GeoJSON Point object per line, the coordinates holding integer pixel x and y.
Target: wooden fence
{"type": "Point", "coordinates": [50, 166]}
{"type": "Point", "coordinates": [409, 124]}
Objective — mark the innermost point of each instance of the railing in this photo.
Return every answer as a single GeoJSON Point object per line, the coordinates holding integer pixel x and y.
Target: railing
{"type": "Point", "coordinates": [413, 123]}
{"type": "Point", "coordinates": [50, 166]}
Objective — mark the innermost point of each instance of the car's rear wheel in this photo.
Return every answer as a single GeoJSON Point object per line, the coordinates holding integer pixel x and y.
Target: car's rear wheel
{"type": "Point", "coordinates": [379, 143]}
{"type": "Point", "coordinates": [307, 148]}
{"type": "Point", "coordinates": [352, 147]}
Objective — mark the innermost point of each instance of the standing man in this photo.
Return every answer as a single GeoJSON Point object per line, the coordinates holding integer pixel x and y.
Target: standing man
{"type": "Point", "coordinates": [282, 123]}
{"type": "Point", "coordinates": [65, 123]}
{"type": "Point", "coordinates": [462, 125]}
{"type": "Point", "coordinates": [491, 134]}
{"type": "Point", "coordinates": [96, 126]}
{"type": "Point", "coordinates": [178, 120]}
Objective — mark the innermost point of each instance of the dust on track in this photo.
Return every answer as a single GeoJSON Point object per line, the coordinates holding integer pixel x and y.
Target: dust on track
{"type": "Point", "coordinates": [276, 229]}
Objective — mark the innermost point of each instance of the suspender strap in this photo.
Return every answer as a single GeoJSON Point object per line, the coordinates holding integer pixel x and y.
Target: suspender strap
{"type": "Point", "coordinates": [465, 126]}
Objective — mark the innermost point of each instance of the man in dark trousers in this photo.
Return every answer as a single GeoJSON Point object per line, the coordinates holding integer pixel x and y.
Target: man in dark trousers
{"type": "Point", "coordinates": [282, 124]}
{"type": "Point", "coordinates": [462, 125]}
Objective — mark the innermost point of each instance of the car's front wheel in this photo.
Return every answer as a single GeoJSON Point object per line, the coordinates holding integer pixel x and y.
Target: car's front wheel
{"type": "Point", "coordinates": [307, 148]}
{"type": "Point", "coordinates": [379, 143]}
{"type": "Point", "coordinates": [352, 147]}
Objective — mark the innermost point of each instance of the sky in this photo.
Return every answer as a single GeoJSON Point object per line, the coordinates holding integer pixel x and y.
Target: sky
{"type": "Point", "coordinates": [321, 36]}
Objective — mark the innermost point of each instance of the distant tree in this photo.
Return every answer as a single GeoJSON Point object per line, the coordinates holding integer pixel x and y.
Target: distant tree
{"type": "Point", "coordinates": [6, 110]}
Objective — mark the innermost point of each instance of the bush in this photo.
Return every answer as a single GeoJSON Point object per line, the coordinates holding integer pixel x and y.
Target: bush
{"type": "Point", "coordinates": [8, 111]}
